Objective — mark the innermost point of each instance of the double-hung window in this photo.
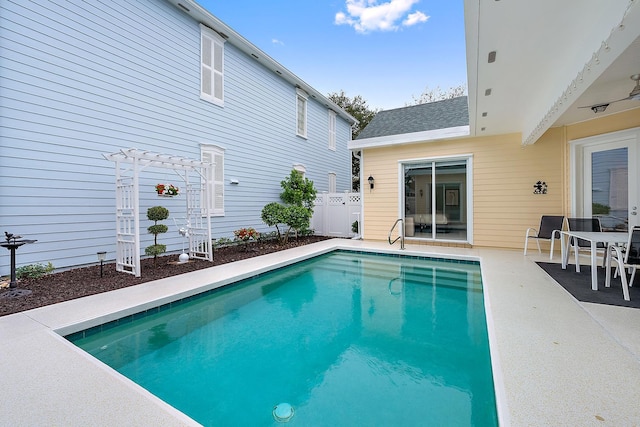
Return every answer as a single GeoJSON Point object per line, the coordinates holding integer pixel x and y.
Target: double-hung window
{"type": "Point", "coordinates": [215, 179]}
{"type": "Point", "coordinates": [332, 130]}
{"type": "Point", "coordinates": [301, 113]}
{"type": "Point", "coordinates": [211, 66]}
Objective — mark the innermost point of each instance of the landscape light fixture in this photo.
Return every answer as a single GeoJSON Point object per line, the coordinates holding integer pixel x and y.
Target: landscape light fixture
{"type": "Point", "coordinates": [101, 257]}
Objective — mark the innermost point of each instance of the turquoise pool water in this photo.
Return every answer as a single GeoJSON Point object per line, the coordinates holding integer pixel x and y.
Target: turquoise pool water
{"type": "Point", "coordinates": [344, 338]}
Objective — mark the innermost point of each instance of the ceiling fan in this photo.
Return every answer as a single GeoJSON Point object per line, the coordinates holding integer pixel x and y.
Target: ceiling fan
{"type": "Point", "coordinates": [633, 95]}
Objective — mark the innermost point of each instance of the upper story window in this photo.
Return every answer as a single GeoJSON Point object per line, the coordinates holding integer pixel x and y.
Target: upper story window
{"type": "Point", "coordinates": [301, 113]}
{"type": "Point", "coordinates": [215, 179]}
{"type": "Point", "coordinates": [211, 66]}
{"type": "Point", "coordinates": [332, 130]}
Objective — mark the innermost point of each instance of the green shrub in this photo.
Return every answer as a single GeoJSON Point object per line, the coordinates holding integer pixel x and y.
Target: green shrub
{"type": "Point", "coordinates": [298, 196]}
{"type": "Point", "coordinates": [155, 250]}
{"type": "Point", "coordinates": [354, 226]}
{"type": "Point", "coordinates": [155, 214]}
{"type": "Point", "coordinates": [600, 209]}
{"type": "Point", "coordinates": [221, 242]}
{"type": "Point", "coordinates": [34, 271]}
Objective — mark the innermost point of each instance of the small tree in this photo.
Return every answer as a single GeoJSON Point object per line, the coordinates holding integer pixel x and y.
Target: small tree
{"type": "Point", "coordinates": [298, 195]}
{"type": "Point", "coordinates": [155, 214]}
{"type": "Point", "coordinates": [298, 191]}
{"type": "Point", "coordinates": [273, 214]}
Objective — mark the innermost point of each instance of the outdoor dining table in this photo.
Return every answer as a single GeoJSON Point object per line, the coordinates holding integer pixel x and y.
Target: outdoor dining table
{"type": "Point", "coordinates": [594, 237]}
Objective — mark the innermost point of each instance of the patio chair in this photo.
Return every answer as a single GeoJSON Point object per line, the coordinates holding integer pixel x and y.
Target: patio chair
{"type": "Point", "coordinates": [550, 226]}
{"type": "Point", "coordinates": [627, 259]}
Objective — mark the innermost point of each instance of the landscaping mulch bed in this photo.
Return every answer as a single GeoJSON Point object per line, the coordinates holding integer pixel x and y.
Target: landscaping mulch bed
{"type": "Point", "coordinates": [80, 282]}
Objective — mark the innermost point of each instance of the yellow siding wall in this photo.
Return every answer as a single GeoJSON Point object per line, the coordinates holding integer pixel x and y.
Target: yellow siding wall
{"type": "Point", "coordinates": [625, 120]}
{"type": "Point", "coordinates": [504, 173]}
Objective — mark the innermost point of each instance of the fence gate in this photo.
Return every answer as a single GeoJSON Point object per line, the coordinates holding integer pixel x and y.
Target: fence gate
{"type": "Point", "coordinates": [334, 214]}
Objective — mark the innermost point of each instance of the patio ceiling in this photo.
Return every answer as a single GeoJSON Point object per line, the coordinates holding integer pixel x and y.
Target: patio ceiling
{"type": "Point", "coordinates": [551, 57]}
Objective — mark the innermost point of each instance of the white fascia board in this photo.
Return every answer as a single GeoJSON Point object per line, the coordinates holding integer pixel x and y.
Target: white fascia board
{"type": "Point", "coordinates": [410, 138]}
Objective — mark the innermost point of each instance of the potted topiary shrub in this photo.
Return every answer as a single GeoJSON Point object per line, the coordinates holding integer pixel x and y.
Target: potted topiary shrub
{"type": "Point", "coordinates": [155, 214]}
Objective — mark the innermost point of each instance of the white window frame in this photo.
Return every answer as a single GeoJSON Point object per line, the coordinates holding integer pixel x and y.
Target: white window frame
{"type": "Point", "coordinates": [211, 66]}
{"type": "Point", "coordinates": [332, 130]}
{"type": "Point", "coordinates": [301, 113]}
{"type": "Point", "coordinates": [215, 155]}
{"type": "Point", "coordinates": [468, 159]}
{"type": "Point", "coordinates": [333, 180]}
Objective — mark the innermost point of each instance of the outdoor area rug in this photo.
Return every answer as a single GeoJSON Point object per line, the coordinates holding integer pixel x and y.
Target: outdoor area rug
{"type": "Point", "coordinates": [579, 285]}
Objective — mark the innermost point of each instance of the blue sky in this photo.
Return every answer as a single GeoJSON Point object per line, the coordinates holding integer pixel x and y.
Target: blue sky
{"type": "Point", "coordinates": [387, 51]}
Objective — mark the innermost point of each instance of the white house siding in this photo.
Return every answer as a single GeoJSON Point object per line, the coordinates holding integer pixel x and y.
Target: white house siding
{"type": "Point", "coordinates": [79, 79]}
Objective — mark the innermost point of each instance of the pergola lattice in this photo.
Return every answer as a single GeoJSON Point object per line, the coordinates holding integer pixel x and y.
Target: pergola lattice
{"type": "Point", "coordinates": [129, 164]}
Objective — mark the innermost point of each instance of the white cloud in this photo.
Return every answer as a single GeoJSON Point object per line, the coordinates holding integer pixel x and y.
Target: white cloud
{"type": "Point", "coordinates": [415, 18]}
{"type": "Point", "coordinates": [369, 15]}
{"type": "Point", "coordinates": [276, 41]}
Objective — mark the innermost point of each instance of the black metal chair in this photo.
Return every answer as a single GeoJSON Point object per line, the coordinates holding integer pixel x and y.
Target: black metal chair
{"type": "Point", "coordinates": [586, 224]}
{"type": "Point", "coordinates": [550, 226]}
{"type": "Point", "coordinates": [627, 259]}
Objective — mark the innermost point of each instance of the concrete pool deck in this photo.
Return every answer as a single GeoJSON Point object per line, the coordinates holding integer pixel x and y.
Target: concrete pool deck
{"type": "Point", "coordinates": [557, 361]}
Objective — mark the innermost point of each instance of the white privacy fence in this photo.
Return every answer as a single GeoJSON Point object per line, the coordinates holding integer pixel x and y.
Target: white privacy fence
{"type": "Point", "coordinates": [334, 213]}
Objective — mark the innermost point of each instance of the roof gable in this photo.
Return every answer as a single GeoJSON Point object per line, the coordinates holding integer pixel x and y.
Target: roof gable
{"type": "Point", "coordinates": [448, 113]}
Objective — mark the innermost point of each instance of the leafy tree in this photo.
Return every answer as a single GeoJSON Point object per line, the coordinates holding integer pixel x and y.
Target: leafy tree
{"type": "Point", "coordinates": [437, 94]}
{"type": "Point", "coordinates": [359, 109]}
{"type": "Point", "coordinates": [298, 190]}
{"type": "Point", "coordinates": [355, 106]}
{"type": "Point", "coordinates": [155, 214]}
{"type": "Point", "coordinates": [298, 196]}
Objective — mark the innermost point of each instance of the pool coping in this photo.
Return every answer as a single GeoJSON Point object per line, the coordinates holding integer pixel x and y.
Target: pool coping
{"type": "Point", "coordinates": [554, 360]}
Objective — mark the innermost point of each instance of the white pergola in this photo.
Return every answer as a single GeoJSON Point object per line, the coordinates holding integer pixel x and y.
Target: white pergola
{"type": "Point", "coordinates": [197, 181]}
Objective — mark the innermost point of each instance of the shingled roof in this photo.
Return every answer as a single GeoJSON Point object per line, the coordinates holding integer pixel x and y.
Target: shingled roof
{"type": "Point", "coordinates": [418, 118]}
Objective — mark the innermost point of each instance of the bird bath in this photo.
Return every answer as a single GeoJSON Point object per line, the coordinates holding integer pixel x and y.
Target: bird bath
{"type": "Point", "coordinates": [13, 243]}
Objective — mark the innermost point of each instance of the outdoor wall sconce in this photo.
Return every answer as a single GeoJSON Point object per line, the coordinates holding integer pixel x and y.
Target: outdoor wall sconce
{"type": "Point", "coordinates": [371, 180]}
{"type": "Point", "coordinates": [540, 187]}
{"type": "Point", "coordinates": [101, 257]}
{"type": "Point", "coordinates": [421, 193]}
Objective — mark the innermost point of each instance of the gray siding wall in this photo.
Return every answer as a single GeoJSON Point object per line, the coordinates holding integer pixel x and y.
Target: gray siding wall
{"type": "Point", "coordinates": [79, 79]}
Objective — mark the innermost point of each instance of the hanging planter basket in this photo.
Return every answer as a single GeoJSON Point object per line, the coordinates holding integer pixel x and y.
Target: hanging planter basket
{"type": "Point", "coordinates": [167, 190]}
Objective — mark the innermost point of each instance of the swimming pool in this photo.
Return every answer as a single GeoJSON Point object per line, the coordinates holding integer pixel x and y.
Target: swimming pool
{"type": "Point", "coordinates": [344, 338]}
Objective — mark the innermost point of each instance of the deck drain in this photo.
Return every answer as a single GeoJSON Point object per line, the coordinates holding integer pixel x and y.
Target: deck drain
{"type": "Point", "coordinates": [282, 412]}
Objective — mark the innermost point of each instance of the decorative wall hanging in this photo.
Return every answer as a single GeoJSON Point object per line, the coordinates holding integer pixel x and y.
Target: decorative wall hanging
{"type": "Point", "coordinates": [540, 187]}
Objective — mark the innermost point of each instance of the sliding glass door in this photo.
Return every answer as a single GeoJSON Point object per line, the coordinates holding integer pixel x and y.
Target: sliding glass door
{"type": "Point", "coordinates": [435, 198]}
